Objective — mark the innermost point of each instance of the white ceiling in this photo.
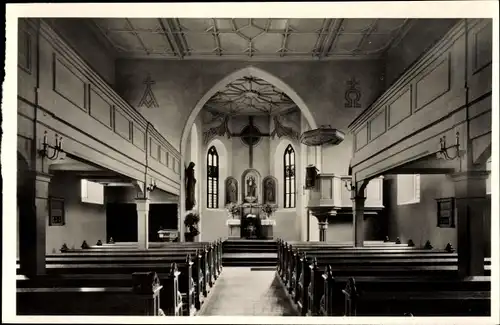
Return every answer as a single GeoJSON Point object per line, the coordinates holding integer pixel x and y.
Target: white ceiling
{"type": "Point", "coordinates": [250, 96]}
{"type": "Point", "coordinates": [269, 38]}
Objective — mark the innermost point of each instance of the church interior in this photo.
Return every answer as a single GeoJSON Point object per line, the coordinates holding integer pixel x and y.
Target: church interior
{"type": "Point", "coordinates": [250, 167]}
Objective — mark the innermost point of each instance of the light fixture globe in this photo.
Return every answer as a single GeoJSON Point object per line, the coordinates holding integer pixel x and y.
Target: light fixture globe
{"type": "Point", "coordinates": [324, 135]}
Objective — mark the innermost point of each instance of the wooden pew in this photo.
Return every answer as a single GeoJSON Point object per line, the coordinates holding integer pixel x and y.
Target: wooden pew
{"type": "Point", "coordinates": [286, 252]}
{"type": "Point", "coordinates": [140, 298]}
{"type": "Point", "coordinates": [211, 263]}
{"type": "Point", "coordinates": [419, 297]}
{"type": "Point", "coordinates": [292, 264]}
{"type": "Point", "coordinates": [213, 249]}
{"type": "Point", "coordinates": [189, 284]}
{"type": "Point", "coordinates": [306, 287]}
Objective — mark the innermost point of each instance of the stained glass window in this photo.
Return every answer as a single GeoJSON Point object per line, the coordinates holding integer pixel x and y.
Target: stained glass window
{"type": "Point", "coordinates": [212, 178]}
{"type": "Point", "coordinates": [289, 173]}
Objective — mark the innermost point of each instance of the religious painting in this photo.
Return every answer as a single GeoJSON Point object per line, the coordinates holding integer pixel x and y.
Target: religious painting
{"type": "Point", "coordinates": [446, 213]}
{"type": "Point", "coordinates": [251, 186]}
{"type": "Point", "coordinates": [56, 212]}
{"type": "Point", "coordinates": [231, 190]}
{"type": "Point", "coordinates": [269, 188]}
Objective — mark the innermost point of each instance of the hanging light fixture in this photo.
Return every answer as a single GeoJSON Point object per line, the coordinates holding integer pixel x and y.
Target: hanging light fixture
{"type": "Point", "coordinates": [325, 134]}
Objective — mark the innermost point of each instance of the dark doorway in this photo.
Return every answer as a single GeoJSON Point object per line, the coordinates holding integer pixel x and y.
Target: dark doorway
{"type": "Point", "coordinates": [161, 216]}
{"type": "Point", "coordinates": [121, 222]}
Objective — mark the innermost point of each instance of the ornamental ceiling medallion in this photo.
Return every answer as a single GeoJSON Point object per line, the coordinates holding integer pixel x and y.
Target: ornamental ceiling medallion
{"type": "Point", "coordinates": [250, 95]}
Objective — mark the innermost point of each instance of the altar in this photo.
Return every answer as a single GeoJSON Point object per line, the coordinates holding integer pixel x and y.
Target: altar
{"type": "Point", "coordinates": [258, 198]}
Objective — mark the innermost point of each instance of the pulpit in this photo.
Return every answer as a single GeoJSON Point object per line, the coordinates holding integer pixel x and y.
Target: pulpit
{"type": "Point", "coordinates": [322, 199]}
{"type": "Point", "coordinates": [330, 196]}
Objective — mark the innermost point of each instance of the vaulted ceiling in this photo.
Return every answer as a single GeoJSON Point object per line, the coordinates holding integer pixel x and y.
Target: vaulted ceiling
{"type": "Point", "coordinates": [269, 38]}
{"type": "Point", "coordinates": [250, 96]}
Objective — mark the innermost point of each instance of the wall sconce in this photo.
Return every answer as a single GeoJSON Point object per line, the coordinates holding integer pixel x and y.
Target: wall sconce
{"type": "Point", "coordinates": [348, 184]}
{"type": "Point", "coordinates": [152, 186]}
{"type": "Point", "coordinates": [44, 152]}
{"type": "Point", "coordinates": [443, 150]}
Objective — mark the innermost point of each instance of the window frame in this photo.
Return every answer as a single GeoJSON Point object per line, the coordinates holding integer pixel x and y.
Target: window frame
{"type": "Point", "coordinates": [291, 181]}
{"type": "Point", "coordinates": [213, 181]}
{"type": "Point", "coordinates": [416, 190]}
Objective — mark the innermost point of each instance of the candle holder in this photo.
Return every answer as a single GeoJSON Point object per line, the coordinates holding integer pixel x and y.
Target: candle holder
{"type": "Point", "coordinates": [152, 186]}
{"type": "Point", "coordinates": [348, 184]}
{"type": "Point", "coordinates": [444, 152]}
{"type": "Point", "coordinates": [56, 149]}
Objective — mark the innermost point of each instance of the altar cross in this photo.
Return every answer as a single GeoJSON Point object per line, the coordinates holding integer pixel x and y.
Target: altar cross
{"type": "Point", "coordinates": [250, 135]}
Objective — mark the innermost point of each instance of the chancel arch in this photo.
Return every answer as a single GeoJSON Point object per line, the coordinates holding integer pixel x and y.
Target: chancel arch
{"type": "Point", "coordinates": [239, 74]}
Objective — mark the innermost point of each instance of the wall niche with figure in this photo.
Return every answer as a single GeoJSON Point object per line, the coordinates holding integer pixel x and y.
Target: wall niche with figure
{"type": "Point", "coordinates": [251, 183]}
{"type": "Point", "coordinates": [231, 190]}
{"type": "Point", "coordinates": [269, 187]}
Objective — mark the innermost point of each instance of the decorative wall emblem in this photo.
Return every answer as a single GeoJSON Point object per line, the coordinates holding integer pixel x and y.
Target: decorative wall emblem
{"type": "Point", "coordinates": [352, 94]}
{"type": "Point", "coordinates": [231, 190]}
{"type": "Point", "coordinates": [148, 99]}
{"type": "Point", "coordinates": [269, 186]}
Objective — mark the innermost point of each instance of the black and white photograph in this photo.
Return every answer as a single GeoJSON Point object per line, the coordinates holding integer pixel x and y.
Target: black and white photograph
{"type": "Point", "coordinates": [255, 162]}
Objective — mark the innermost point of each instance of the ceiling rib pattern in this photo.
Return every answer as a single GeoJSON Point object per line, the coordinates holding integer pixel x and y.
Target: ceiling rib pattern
{"type": "Point", "coordinates": [246, 38]}
{"type": "Point", "coordinates": [250, 96]}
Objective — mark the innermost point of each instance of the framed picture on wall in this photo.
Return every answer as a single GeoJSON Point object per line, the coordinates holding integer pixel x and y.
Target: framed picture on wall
{"type": "Point", "coordinates": [56, 211]}
{"type": "Point", "coordinates": [446, 212]}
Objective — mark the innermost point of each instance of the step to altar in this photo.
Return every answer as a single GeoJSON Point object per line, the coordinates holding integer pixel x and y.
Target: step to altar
{"type": "Point", "coordinates": [250, 253]}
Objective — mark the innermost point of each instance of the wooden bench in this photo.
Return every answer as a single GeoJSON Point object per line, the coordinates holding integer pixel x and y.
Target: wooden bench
{"type": "Point", "coordinates": [292, 265]}
{"type": "Point", "coordinates": [192, 284]}
{"type": "Point", "coordinates": [140, 298]}
{"type": "Point", "coordinates": [212, 254]}
{"type": "Point", "coordinates": [418, 297]}
{"type": "Point", "coordinates": [212, 250]}
{"type": "Point", "coordinates": [118, 275]}
{"type": "Point", "coordinates": [307, 284]}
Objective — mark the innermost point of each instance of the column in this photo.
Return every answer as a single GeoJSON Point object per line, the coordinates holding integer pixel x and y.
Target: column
{"type": "Point", "coordinates": [322, 214]}
{"type": "Point", "coordinates": [358, 208]}
{"type": "Point", "coordinates": [470, 198]}
{"type": "Point", "coordinates": [33, 217]}
{"type": "Point", "coordinates": [142, 205]}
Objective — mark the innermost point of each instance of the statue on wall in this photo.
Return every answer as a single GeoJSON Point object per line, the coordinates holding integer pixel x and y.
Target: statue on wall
{"type": "Point", "coordinates": [251, 183]}
{"type": "Point", "coordinates": [190, 187]}
{"type": "Point", "coordinates": [251, 187]}
{"type": "Point", "coordinates": [270, 190]}
{"type": "Point", "coordinates": [231, 190]}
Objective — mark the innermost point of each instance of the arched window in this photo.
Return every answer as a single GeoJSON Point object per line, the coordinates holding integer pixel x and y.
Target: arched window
{"type": "Point", "coordinates": [289, 171]}
{"type": "Point", "coordinates": [212, 178]}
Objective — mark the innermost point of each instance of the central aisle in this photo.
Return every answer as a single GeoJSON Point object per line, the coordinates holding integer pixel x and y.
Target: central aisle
{"type": "Point", "coordinates": [245, 291]}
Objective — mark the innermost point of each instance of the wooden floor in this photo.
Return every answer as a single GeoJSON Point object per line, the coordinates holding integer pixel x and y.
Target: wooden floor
{"type": "Point", "coordinates": [244, 291]}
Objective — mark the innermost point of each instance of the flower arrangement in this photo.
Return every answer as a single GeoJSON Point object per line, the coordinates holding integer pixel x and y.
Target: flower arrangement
{"type": "Point", "coordinates": [233, 209]}
{"type": "Point", "coordinates": [268, 209]}
{"type": "Point", "coordinates": [191, 221]}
